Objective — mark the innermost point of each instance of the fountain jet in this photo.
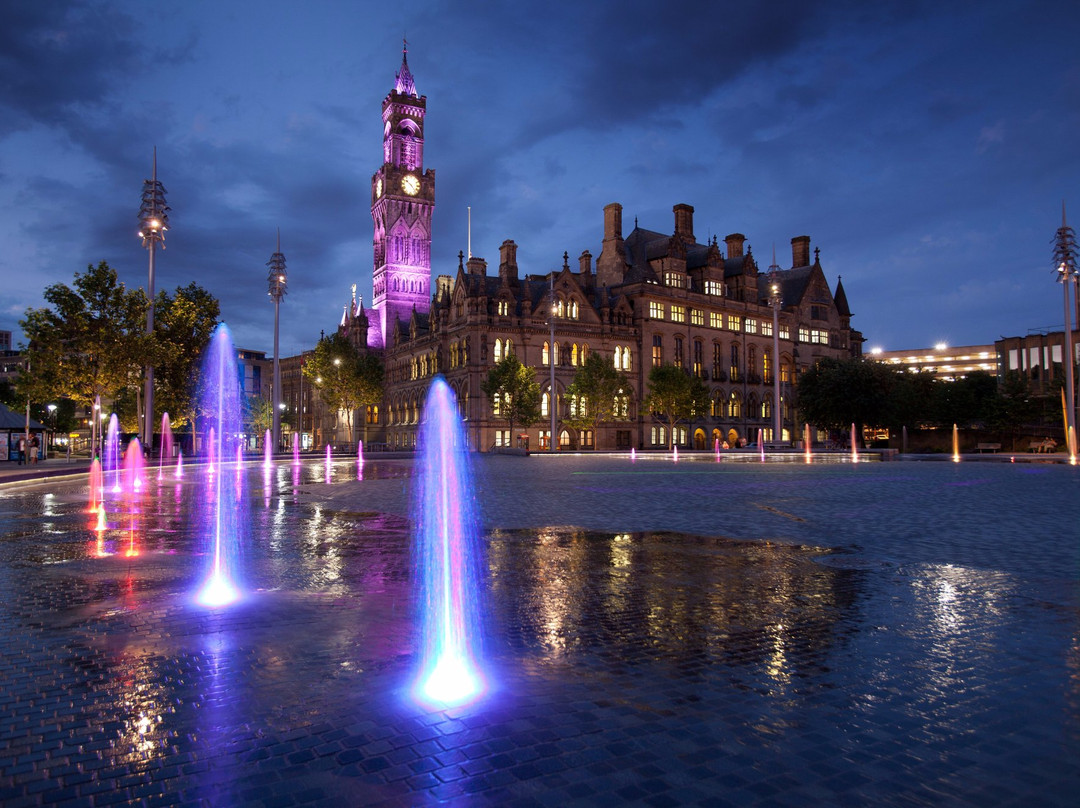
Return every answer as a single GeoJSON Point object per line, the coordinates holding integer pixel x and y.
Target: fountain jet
{"type": "Point", "coordinates": [222, 400]}
{"type": "Point", "coordinates": [447, 555]}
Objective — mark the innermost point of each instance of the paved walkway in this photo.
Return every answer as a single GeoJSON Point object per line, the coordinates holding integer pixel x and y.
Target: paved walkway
{"type": "Point", "coordinates": [657, 634]}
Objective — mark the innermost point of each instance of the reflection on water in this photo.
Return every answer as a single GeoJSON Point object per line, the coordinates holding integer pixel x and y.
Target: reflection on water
{"type": "Point", "coordinates": [640, 597]}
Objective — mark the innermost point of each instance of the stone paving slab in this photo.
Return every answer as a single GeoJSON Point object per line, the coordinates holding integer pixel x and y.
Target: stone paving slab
{"type": "Point", "coordinates": [691, 636]}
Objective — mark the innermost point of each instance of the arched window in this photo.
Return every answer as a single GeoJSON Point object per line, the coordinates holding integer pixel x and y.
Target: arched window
{"type": "Point", "coordinates": [733, 372]}
{"type": "Point", "coordinates": [545, 400]}
{"type": "Point", "coordinates": [509, 348]}
{"type": "Point", "coordinates": [616, 360]}
{"type": "Point", "coordinates": [734, 405]}
{"type": "Point", "coordinates": [751, 360]}
{"type": "Point", "coordinates": [628, 361]}
{"type": "Point", "coordinates": [574, 355]}
{"type": "Point", "coordinates": [545, 354]}
{"type": "Point", "coordinates": [573, 310]}
{"type": "Point", "coordinates": [766, 367]}
{"type": "Point", "coordinates": [498, 351]}
{"type": "Point", "coordinates": [766, 407]}
{"type": "Point", "coordinates": [559, 309]}
{"type": "Point", "coordinates": [556, 359]}
{"type": "Point", "coordinates": [584, 352]}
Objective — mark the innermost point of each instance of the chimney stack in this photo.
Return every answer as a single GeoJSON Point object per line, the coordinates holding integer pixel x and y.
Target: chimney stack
{"type": "Point", "coordinates": [585, 262]}
{"type": "Point", "coordinates": [508, 268]}
{"type": "Point", "coordinates": [800, 251]}
{"type": "Point", "coordinates": [476, 266]}
{"type": "Point", "coordinates": [734, 244]}
{"type": "Point", "coordinates": [684, 223]}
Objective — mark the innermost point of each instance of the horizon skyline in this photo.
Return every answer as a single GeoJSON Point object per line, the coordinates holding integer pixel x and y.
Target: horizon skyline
{"type": "Point", "coordinates": [920, 146]}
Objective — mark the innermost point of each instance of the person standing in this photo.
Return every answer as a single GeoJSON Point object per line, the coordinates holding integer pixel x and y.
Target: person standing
{"type": "Point", "coordinates": [34, 445]}
{"type": "Point", "coordinates": [22, 450]}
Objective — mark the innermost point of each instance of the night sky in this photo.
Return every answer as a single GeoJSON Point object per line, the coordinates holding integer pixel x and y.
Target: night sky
{"type": "Point", "coordinates": [926, 148]}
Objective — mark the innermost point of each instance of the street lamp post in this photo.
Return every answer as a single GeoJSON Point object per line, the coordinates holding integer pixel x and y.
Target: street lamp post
{"type": "Point", "coordinates": [154, 221]}
{"type": "Point", "coordinates": [776, 300]}
{"type": "Point", "coordinates": [276, 280]}
{"type": "Point", "coordinates": [551, 364]}
{"type": "Point", "coordinates": [1067, 271]}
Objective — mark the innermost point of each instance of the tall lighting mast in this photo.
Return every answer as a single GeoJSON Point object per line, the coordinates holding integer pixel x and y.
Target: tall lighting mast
{"type": "Point", "coordinates": [1067, 272]}
{"type": "Point", "coordinates": [776, 300]}
{"type": "Point", "coordinates": [153, 221]}
{"type": "Point", "coordinates": [276, 280]}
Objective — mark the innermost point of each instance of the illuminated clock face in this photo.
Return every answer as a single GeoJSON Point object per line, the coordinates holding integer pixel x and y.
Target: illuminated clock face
{"type": "Point", "coordinates": [410, 185]}
{"type": "Point", "coordinates": [378, 187]}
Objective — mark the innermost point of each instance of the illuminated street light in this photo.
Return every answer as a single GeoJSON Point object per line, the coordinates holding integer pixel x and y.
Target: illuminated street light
{"type": "Point", "coordinates": [1066, 269]}
{"type": "Point", "coordinates": [276, 279]}
{"type": "Point", "coordinates": [776, 300]}
{"type": "Point", "coordinates": [154, 222]}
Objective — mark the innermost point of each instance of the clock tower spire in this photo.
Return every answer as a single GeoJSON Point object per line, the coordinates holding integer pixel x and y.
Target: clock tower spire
{"type": "Point", "coordinates": [402, 201]}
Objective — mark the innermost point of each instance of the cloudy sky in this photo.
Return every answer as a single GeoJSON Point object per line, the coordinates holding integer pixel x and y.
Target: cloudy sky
{"type": "Point", "coordinates": [925, 147]}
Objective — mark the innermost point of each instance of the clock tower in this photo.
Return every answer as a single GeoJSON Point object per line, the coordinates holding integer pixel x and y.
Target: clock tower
{"type": "Point", "coordinates": [402, 201]}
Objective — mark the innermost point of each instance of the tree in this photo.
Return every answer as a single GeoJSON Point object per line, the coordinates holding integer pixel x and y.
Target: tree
{"type": "Point", "coordinates": [836, 393]}
{"type": "Point", "coordinates": [259, 414]}
{"type": "Point", "coordinates": [675, 396]}
{"type": "Point", "coordinates": [345, 378]}
{"type": "Point", "coordinates": [513, 392]}
{"type": "Point", "coordinates": [967, 400]}
{"type": "Point", "coordinates": [1013, 407]}
{"type": "Point", "coordinates": [183, 326]}
{"type": "Point", "coordinates": [90, 343]}
{"type": "Point", "coordinates": [596, 389]}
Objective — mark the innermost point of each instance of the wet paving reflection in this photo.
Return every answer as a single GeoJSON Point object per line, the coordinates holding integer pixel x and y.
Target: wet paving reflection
{"type": "Point", "coordinates": [626, 665]}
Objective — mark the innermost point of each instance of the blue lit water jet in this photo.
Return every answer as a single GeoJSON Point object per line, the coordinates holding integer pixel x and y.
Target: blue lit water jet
{"type": "Point", "coordinates": [221, 400]}
{"type": "Point", "coordinates": [447, 555]}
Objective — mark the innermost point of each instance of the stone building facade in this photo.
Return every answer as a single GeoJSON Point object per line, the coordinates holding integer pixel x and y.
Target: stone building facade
{"type": "Point", "coordinates": [653, 297]}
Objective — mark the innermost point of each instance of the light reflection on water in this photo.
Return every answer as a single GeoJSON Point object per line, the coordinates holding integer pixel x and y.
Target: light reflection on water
{"type": "Point", "coordinates": [330, 614]}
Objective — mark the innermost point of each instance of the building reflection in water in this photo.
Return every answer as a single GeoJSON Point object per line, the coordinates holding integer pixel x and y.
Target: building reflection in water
{"type": "Point", "coordinates": [631, 598]}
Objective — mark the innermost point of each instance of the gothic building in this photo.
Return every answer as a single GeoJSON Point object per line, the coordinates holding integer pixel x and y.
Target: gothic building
{"type": "Point", "coordinates": [653, 297]}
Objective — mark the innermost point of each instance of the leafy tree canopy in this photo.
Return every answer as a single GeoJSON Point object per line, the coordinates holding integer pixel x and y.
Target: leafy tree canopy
{"type": "Point", "coordinates": [597, 385]}
{"type": "Point", "coordinates": [513, 392]}
{"type": "Point", "coordinates": [88, 342]}
{"type": "Point", "coordinates": [675, 396]}
{"type": "Point", "coordinates": [346, 378]}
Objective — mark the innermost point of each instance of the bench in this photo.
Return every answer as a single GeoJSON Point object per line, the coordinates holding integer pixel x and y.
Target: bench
{"type": "Point", "coordinates": [1040, 446]}
{"type": "Point", "coordinates": [988, 447]}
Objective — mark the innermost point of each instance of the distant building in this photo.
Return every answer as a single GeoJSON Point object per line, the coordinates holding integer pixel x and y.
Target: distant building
{"type": "Point", "coordinates": [1037, 357]}
{"type": "Point", "coordinates": [5, 340]}
{"type": "Point", "coordinates": [945, 362]}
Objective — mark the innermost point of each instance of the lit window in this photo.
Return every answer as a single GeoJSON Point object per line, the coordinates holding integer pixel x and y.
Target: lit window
{"type": "Point", "coordinates": [734, 322]}
{"type": "Point", "coordinates": [697, 317]}
{"type": "Point", "coordinates": [657, 350]}
{"type": "Point", "coordinates": [498, 350]}
{"type": "Point", "coordinates": [804, 334]}
{"type": "Point", "coordinates": [766, 328]}
{"type": "Point", "coordinates": [785, 332]}
{"type": "Point", "coordinates": [656, 309]}
{"type": "Point", "coordinates": [544, 404]}
{"type": "Point", "coordinates": [716, 320]}
{"type": "Point", "coordinates": [678, 314]}
{"type": "Point", "coordinates": [574, 355]}
{"type": "Point", "coordinates": [714, 288]}
{"type": "Point", "coordinates": [751, 326]}
{"type": "Point", "coordinates": [504, 308]}
{"type": "Point", "coordinates": [545, 354]}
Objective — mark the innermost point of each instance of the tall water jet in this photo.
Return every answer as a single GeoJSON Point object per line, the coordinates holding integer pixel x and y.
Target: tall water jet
{"type": "Point", "coordinates": [95, 481]}
{"type": "Point", "coordinates": [179, 464]}
{"type": "Point", "coordinates": [854, 446]}
{"type": "Point", "coordinates": [633, 454]}
{"type": "Point", "coordinates": [166, 444]}
{"type": "Point", "coordinates": [675, 453]}
{"type": "Point", "coordinates": [296, 450]}
{"type": "Point", "coordinates": [221, 398]}
{"type": "Point", "coordinates": [360, 454]}
{"type": "Point", "coordinates": [808, 442]}
{"type": "Point", "coordinates": [761, 444]}
{"type": "Point", "coordinates": [134, 465]}
{"type": "Point", "coordinates": [955, 444]}
{"type": "Point", "coordinates": [447, 556]}
{"type": "Point", "coordinates": [111, 456]}
{"type": "Point", "coordinates": [268, 450]}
